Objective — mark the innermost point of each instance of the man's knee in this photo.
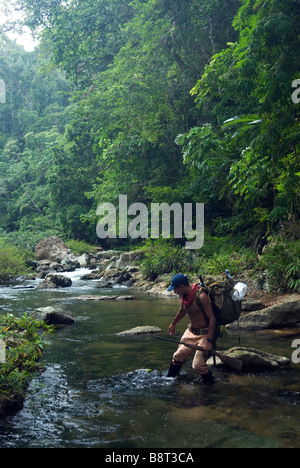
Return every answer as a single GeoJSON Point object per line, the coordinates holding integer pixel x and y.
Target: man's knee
{"type": "Point", "coordinates": [201, 368]}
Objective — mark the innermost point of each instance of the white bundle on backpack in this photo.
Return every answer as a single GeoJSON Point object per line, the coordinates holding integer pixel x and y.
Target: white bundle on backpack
{"type": "Point", "coordinates": [239, 292]}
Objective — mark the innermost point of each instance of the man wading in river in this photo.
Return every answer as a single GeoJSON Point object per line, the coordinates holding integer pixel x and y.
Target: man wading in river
{"type": "Point", "coordinates": [200, 332]}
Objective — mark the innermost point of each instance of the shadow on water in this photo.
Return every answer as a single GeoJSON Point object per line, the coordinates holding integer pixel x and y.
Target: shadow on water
{"type": "Point", "coordinates": [103, 390]}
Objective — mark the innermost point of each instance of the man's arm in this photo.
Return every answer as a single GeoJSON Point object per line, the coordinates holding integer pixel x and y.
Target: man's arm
{"type": "Point", "coordinates": [180, 315]}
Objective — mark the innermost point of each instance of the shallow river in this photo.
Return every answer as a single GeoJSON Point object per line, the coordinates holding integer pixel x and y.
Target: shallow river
{"type": "Point", "coordinates": [104, 391]}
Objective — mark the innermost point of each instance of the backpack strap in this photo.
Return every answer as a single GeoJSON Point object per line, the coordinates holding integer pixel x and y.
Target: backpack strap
{"type": "Point", "coordinates": [214, 306]}
{"type": "Point", "coordinates": [197, 298]}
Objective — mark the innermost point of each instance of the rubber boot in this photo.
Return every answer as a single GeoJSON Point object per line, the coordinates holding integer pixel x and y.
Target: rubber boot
{"type": "Point", "coordinates": [174, 370]}
{"type": "Point", "coordinates": [208, 379]}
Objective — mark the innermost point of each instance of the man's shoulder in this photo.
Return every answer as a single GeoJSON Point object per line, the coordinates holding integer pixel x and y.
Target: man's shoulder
{"type": "Point", "coordinates": [201, 295]}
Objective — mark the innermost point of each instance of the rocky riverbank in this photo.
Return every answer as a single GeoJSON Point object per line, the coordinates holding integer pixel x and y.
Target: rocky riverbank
{"type": "Point", "coordinates": [107, 268]}
{"type": "Point", "coordinates": [111, 268]}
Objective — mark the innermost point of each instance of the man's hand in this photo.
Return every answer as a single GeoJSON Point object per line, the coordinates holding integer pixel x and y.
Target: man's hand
{"type": "Point", "coordinates": [207, 347]}
{"type": "Point", "coordinates": [180, 314]}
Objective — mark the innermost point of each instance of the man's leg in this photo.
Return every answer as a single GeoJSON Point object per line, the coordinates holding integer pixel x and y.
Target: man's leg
{"type": "Point", "coordinates": [208, 379]}
{"type": "Point", "coordinates": [200, 366]}
{"type": "Point", "coordinates": [174, 369]}
{"type": "Point", "coordinates": [179, 357]}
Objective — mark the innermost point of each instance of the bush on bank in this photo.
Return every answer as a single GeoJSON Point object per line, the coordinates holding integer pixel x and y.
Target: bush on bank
{"type": "Point", "coordinates": [12, 261]}
{"type": "Point", "coordinates": [24, 339]}
{"type": "Point", "coordinates": [280, 261]}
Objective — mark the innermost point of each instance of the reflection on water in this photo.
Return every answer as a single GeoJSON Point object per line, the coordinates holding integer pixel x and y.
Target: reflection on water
{"type": "Point", "coordinates": [103, 390]}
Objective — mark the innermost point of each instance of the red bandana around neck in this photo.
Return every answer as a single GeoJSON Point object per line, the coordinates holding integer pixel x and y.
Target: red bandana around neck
{"type": "Point", "coordinates": [188, 301]}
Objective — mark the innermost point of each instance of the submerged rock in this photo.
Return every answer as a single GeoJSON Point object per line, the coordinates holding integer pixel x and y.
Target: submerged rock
{"type": "Point", "coordinates": [96, 298]}
{"type": "Point", "coordinates": [10, 405]}
{"type": "Point", "coordinates": [125, 298]}
{"type": "Point", "coordinates": [144, 330]}
{"type": "Point", "coordinates": [105, 298]}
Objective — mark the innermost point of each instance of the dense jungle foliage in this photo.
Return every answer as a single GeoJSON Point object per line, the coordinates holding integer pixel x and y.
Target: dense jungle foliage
{"type": "Point", "coordinates": [193, 101]}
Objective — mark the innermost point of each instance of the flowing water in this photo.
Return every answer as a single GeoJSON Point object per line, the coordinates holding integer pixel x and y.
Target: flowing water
{"type": "Point", "coordinates": [106, 391]}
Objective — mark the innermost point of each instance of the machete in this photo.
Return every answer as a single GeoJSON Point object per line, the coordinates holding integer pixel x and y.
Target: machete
{"type": "Point", "coordinates": [236, 364]}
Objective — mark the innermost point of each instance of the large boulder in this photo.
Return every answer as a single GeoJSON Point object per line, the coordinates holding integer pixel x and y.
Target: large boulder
{"type": "Point", "coordinates": [54, 280]}
{"type": "Point", "coordinates": [254, 359]}
{"type": "Point", "coordinates": [83, 260]}
{"type": "Point", "coordinates": [283, 315]}
{"type": "Point", "coordinates": [53, 316]}
{"type": "Point", "coordinates": [52, 248]}
{"type": "Point", "coordinates": [70, 263]}
{"type": "Point", "coordinates": [93, 275]}
{"type": "Point", "coordinates": [128, 258]}
{"type": "Point", "coordinates": [251, 305]}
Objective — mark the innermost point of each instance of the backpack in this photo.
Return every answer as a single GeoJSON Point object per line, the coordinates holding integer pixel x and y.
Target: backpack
{"type": "Point", "coordinates": [220, 290]}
